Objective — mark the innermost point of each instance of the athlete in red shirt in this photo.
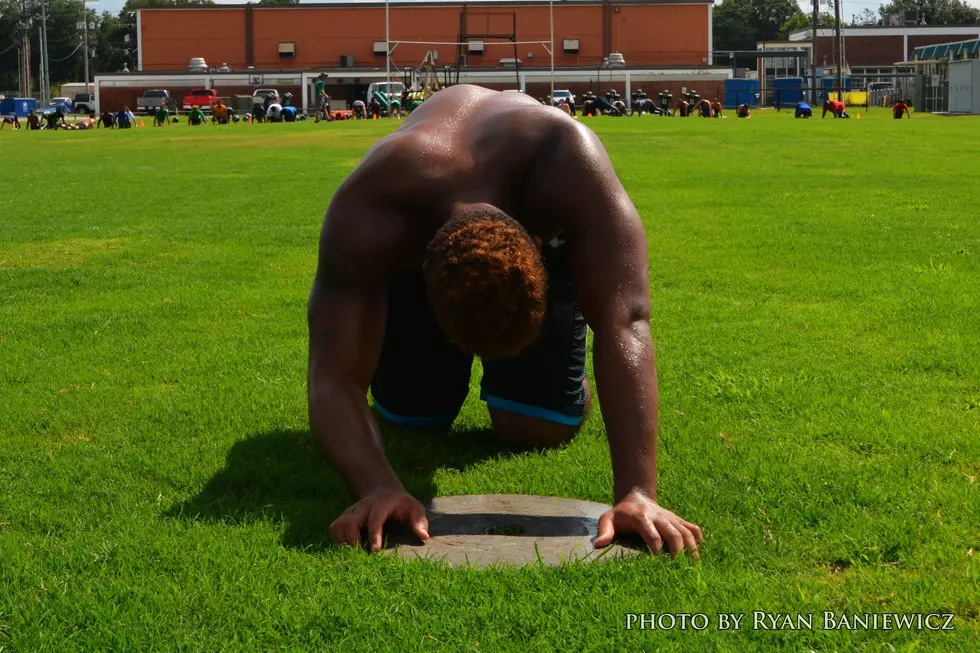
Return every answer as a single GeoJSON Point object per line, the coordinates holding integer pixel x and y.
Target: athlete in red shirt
{"type": "Point", "coordinates": [834, 107]}
{"type": "Point", "coordinates": [901, 109]}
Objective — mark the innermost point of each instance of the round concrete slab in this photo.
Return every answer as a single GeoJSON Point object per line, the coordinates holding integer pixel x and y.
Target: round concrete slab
{"type": "Point", "coordinates": [516, 529]}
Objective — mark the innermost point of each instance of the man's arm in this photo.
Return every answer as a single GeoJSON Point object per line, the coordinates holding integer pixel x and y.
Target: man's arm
{"type": "Point", "coordinates": [609, 258]}
{"type": "Point", "coordinates": [347, 313]}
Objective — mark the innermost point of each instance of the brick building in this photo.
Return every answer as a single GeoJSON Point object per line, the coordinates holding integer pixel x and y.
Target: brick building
{"type": "Point", "coordinates": [873, 51]}
{"type": "Point", "coordinates": [666, 45]}
{"type": "Point", "coordinates": [346, 34]}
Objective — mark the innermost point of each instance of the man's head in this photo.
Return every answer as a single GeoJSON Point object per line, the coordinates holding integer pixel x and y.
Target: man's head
{"type": "Point", "coordinates": [486, 282]}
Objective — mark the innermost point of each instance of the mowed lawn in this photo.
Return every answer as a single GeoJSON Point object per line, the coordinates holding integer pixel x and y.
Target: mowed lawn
{"type": "Point", "coordinates": [816, 311]}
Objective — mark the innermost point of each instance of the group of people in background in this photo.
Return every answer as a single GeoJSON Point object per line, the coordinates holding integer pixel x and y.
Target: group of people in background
{"type": "Point", "coordinates": [273, 111]}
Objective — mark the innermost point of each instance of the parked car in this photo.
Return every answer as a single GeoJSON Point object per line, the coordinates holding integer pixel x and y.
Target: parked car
{"type": "Point", "coordinates": [563, 94]}
{"type": "Point", "coordinates": [85, 103]}
{"type": "Point", "coordinates": [259, 95]}
{"type": "Point", "coordinates": [62, 103]}
{"type": "Point", "coordinates": [152, 99]}
{"type": "Point", "coordinates": [204, 98]}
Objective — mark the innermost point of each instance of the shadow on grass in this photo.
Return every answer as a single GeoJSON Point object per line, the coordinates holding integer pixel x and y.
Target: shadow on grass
{"type": "Point", "coordinates": [281, 475]}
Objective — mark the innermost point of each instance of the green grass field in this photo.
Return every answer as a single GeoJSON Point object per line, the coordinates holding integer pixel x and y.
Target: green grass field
{"type": "Point", "coordinates": [816, 296]}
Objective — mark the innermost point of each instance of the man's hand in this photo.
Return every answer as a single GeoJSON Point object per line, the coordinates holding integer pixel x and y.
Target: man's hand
{"type": "Point", "coordinates": [373, 511]}
{"type": "Point", "coordinates": [639, 514]}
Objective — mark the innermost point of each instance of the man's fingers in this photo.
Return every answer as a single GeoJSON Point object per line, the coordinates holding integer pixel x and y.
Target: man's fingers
{"type": "Point", "coordinates": [648, 531]}
{"type": "Point", "coordinates": [606, 531]}
{"type": "Point", "coordinates": [375, 524]}
{"type": "Point", "coordinates": [418, 520]}
{"type": "Point", "coordinates": [695, 530]}
{"type": "Point", "coordinates": [671, 535]}
{"type": "Point", "coordinates": [689, 542]}
{"type": "Point", "coordinates": [352, 524]}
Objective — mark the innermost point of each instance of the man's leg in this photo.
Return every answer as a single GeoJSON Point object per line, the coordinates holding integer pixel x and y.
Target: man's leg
{"type": "Point", "coordinates": [540, 398]}
{"type": "Point", "coordinates": [422, 379]}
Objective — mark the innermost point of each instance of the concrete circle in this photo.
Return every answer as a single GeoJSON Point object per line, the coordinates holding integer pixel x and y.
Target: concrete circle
{"type": "Point", "coordinates": [515, 529]}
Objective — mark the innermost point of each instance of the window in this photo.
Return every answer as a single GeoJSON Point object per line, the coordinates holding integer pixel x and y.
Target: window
{"type": "Point", "coordinates": [569, 46]}
{"type": "Point", "coordinates": [475, 47]}
{"type": "Point", "coordinates": [380, 48]}
{"type": "Point", "coordinates": [287, 49]}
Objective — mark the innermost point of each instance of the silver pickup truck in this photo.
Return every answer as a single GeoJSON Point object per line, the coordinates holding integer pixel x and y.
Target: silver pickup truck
{"type": "Point", "coordinates": [152, 100]}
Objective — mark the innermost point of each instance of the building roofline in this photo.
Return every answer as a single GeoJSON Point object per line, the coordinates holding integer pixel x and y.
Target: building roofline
{"type": "Point", "coordinates": [376, 4]}
{"type": "Point", "coordinates": [888, 30]}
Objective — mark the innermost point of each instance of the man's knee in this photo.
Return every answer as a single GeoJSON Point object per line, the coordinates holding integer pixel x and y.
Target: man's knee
{"type": "Point", "coordinates": [523, 432]}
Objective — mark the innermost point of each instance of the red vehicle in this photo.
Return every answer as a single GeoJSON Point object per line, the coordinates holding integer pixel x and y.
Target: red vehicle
{"type": "Point", "coordinates": [205, 98]}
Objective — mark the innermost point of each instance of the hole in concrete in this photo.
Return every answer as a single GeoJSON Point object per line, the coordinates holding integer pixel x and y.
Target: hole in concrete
{"type": "Point", "coordinates": [506, 529]}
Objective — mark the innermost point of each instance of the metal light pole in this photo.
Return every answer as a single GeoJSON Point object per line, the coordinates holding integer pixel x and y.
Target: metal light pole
{"type": "Point", "coordinates": [840, 51]}
{"type": "Point", "coordinates": [813, 52]}
{"type": "Point", "coordinates": [46, 75]}
{"type": "Point", "coordinates": [387, 55]}
{"type": "Point", "coordinates": [85, 38]}
{"type": "Point", "coordinates": [551, 12]}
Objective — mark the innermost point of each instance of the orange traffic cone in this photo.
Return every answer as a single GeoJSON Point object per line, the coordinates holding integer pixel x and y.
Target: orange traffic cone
{"type": "Point", "coordinates": [859, 116]}
{"type": "Point", "coordinates": [142, 124]}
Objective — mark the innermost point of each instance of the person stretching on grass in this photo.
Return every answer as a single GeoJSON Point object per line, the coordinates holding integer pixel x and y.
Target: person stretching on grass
{"type": "Point", "coordinates": [803, 110]}
{"type": "Point", "coordinates": [107, 120]}
{"type": "Point", "coordinates": [13, 121]}
{"type": "Point", "coordinates": [161, 115]}
{"type": "Point", "coordinates": [834, 107]}
{"type": "Point", "coordinates": [901, 109]}
{"type": "Point", "coordinates": [486, 225]}
{"type": "Point", "coordinates": [196, 116]}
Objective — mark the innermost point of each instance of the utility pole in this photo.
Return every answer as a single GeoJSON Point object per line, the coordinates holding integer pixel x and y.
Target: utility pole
{"type": "Point", "coordinates": [46, 75]}
{"type": "Point", "coordinates": [813, 53]}
{"type": "Point", "coordinates": [840, 52]}
{"type": "Point", "coordinates": [85, 39]}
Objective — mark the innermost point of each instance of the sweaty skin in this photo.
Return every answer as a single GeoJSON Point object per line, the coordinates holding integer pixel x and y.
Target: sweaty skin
{"type": "Point", "coordinates": [468, 145]}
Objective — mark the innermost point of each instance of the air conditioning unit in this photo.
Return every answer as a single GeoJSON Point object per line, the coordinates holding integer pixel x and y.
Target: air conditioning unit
{"type": "Point", "coordinates": [346, 61]}
{"type": "Point", "coordinates": [894, 20]}
{"type": "Point", "coordinates": [287, 49]}
{"type": "Point", "coordinates": [569, 46]}
{"type": "Point", "coordinates": [475, 47]}
{"type": "Point", "coordinates": [911, 16]}
{"type": "Point", "coordinates": [380, 48]}
{"type": "Point", "coordinates": [462, 61]}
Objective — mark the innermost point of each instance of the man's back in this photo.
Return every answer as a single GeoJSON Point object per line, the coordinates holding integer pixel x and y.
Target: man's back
{"type": "Point", "coordinates": [465, 143]}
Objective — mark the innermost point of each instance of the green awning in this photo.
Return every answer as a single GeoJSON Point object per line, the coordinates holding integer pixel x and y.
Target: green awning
{"type": "Point", "coordinates": [940, 50]}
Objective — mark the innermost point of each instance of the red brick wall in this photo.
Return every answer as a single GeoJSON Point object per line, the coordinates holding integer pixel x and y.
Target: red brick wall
{"type": "Point", "coordinates": [883, 50]}
{"type": "Point", "coordinates": [650, 35]}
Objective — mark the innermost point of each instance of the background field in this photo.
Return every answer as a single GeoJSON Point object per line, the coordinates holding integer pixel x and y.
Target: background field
{"type": "Point", "coordinates": [816, 293]}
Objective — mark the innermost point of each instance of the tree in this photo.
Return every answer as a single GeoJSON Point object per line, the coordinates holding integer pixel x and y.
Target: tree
{"type": "Point", "coordinates": [867, 17]}
{"type": "Point", "coordinates": [935, 12]}
{"type": "Point", "coordinates": [804, 21]}
{"type": "Point", "coordinates": [278, 2]}
{"type": "Point", "coordinates": [739, 24]}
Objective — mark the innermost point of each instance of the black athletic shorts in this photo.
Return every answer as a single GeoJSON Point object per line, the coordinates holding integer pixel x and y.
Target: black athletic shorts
{"type": "Point", "coordinates": [422, 379]}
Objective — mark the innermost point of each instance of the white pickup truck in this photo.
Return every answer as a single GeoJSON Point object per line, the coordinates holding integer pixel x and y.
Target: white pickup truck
{"type": "Point", "coordinates": [258, 97]}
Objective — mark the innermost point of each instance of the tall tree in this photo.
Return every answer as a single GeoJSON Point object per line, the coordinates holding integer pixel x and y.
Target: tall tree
{"type": "Point", "coordinates": [804, 21]}
{"type": "Point", "coordinates": [935, 12]}
{"type": "Point", "coordinates": [739, 24]}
